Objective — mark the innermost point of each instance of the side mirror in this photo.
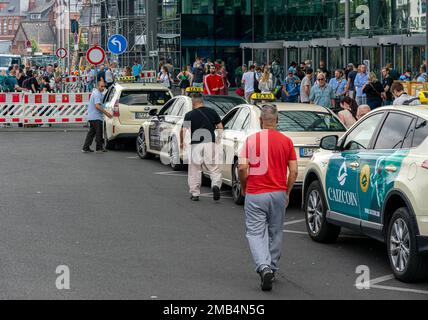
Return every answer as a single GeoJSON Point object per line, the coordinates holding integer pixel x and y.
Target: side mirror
{"type": "Point", "coordinates": [329, 143]}
{"type": "Point", "coordinates": [153, 112]}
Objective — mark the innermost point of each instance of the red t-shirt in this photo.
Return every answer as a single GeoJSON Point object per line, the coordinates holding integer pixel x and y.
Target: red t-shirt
{"type": "Point", "coordinates": [212, 82]}
{"type": "Point", "coordinates": [268, 153]}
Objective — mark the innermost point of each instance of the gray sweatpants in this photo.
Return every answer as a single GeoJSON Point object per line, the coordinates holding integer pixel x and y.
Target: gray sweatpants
{"type": "Point", "coordinates": [264, 219]}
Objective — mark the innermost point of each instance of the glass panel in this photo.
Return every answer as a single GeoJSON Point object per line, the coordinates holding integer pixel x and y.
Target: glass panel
{"type": "Point", "coordinates": [260, 56]}
{"type": "Point", "coordinates": [393, 131]}
{"type": "Point", "coordinates": [355, 55]}
{"type": "Point", "coordinates": [373, 55]}
{"type": "Point", "coordinates": [293, 55]}
{"type": "Point", "coordinates": [335, 59]}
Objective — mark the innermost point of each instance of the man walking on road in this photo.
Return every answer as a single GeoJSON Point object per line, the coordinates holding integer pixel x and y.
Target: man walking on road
{"type": "Point", "coordinates": [202, 122]}
{"type": "Point", "coordinates": [96, 114]}
{"type": "Point", "coordinates": [263, 164]}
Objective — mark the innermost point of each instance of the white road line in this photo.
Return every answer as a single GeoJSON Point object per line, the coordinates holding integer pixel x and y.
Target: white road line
{"type": "Point", "coordinates": [296, 232]}
{"type": "Point", "coordinates": [131, 157]}
{"type": "Point", "coordinates": [293, 222]}
{"type": "Point", "coordinates": [381, 279]}
{"type": "Point", "coordinates": [210, 195]}
{"type": "Point", "coordinates": [171, 173]}
{"type": "Point", "coordinates": [399, 289]}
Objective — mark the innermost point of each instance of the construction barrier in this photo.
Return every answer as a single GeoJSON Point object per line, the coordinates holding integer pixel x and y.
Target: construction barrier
{"type": "Point", "coordinates": [413, 88]}
{"type": "Point", "coordinates": [46, 108]}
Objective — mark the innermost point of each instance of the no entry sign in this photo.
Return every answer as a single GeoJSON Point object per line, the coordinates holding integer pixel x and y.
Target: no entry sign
{"type": "Point", "coordinates": [95, 55]}
{"type": "Point", "coordinates": [61, 53]}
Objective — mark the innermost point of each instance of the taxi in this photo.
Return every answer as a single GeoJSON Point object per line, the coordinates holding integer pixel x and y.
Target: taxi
{"type": "Point", "coordinates": [160, 135]}
{"type": "Point", "coordinates": [374, 180]}
{"type": "Point", "coordinates": [305, 124]}
{"type": "Point", "coordinates": [130, 102]}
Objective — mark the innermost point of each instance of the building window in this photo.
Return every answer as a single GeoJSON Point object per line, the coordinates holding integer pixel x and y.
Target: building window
{"type": "Point", "coordinates": [4, 26]}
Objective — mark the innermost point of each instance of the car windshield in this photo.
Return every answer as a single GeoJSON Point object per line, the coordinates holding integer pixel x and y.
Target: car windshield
{"type": "Point", "coordinates": [308, 121]}
{"type": "Point", "coordinates": [222, 105]}
{"type": "Point", "coordinates": [144, 97]}
{"type": "Point", "coordinates": [6, 61]}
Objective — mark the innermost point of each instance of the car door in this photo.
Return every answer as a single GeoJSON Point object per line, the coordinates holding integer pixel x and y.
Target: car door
{"type": "Point", "coordinates": [342, 179]}
{"type": "Point", "coordinates": [156, 124]}
{"type": "Point", "coordinates": [169, 123]}
{"type": "Point", "coordinates": [227, 122]}
{"type": "Point", "coordinates": [233, 138]}
{"type": "Point", "coordinates": [379, 167]}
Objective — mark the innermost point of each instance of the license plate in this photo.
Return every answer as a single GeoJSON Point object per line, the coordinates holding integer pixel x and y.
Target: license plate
{"type": "Point", "coordinates": [140, 115]}
{"type": "Point", "coordinates": [307, 152]}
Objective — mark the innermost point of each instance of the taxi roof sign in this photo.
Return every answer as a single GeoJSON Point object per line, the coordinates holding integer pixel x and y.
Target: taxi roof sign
{"type": "Point", "coordinates": [263, 97]}
{"type": "Point", "coordinates": [194, 90]}
{"type": "Point", "coordinates": [423, 97]}
{"type": "Point", "coordinates": [126, 79]}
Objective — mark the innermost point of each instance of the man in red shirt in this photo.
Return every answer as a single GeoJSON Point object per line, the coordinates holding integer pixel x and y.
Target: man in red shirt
{"type": "Point", "coordinates": [213, 83]}
{"type": "Point", "coordinates": [264, 160]}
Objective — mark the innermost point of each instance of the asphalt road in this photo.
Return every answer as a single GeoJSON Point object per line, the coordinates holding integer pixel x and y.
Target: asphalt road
{"type": "Point", "coordinates": [126, 229]}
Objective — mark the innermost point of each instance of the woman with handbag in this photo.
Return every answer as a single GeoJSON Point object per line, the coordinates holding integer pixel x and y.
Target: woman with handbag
{"type": "Point", "coordinates": [373, 90]}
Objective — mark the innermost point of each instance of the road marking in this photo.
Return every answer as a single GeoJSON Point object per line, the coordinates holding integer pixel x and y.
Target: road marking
{"type": "Point", "coordinates": [210, 195]}
{"type": "Point", "coordinates": [399, 289]}
{"type": "Point", "coordinates": [381, 279]}
{"type": "Point", "coordinates": [171, 173]}
{"type": "Point", "coordinates": [296, 232]}
{"type": "Point", "coordinates": [374, 284]}
{"type": "Point", "coordinates": [293, 222]}
{"type": "Point", "coordinates": [132, 157]}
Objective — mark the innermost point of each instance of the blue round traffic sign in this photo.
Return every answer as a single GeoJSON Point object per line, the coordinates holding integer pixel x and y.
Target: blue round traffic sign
{"type": "Point", "coordinates": [117, 44]}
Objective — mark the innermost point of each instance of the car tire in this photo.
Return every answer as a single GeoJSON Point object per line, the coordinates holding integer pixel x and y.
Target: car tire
{"type": "Point", "coordinates": [108, 144]}
{"type": "Point", "coordinates": [174, 155]}
{"type": "Point", "coordinates": [402, 243]}
{"type": "Point", "coordinates": [236, 186]}
{"type": "Point", "coordinates": [141, 146]}
{"type": "Point", "coordinates": [319, 229]}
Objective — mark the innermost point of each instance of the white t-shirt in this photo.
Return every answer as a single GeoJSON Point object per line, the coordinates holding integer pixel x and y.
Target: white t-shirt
{"type": "Point", "coordinates": [248, 79]}
{"type": "Point", "coordinates": [164, 78]}
{"type": "Point", "coordinates": [403, 98]}
{"type": "Point", "coordinates": [303, 96]}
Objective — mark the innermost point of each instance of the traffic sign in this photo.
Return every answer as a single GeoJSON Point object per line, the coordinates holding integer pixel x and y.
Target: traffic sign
{"type": "Point", "coordinates": [117, 44]}
{"type": "Point", "coordinates": [95, 55]}
{"type": "Point", "coordinates": [61, 53]}
{"type": "Point", "coordinates": [28, 44]}
{"type": "Point", "coordinates": [154, 53]}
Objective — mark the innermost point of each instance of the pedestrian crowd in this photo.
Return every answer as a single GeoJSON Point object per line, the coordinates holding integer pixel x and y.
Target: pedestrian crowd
{"type": "Point", "coordinates": [351, 92]}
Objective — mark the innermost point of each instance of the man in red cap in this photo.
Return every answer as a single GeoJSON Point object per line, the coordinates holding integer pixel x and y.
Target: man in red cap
{"type": "Point", "coordinates": [213, 83]}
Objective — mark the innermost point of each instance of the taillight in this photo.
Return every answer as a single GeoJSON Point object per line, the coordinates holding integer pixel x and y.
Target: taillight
{"type": "Point", "coordinates": [116, 112]}
{"type": "Point", "coordinates": [425, 164]}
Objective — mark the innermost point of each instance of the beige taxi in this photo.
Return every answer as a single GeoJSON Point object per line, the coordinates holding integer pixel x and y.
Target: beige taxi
{"type": "Point", "coordinates": [130, 103]}
{"type": "Point", "coordinates": [305, 124]}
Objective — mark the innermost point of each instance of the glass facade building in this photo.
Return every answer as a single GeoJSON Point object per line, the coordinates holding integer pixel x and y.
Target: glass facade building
{"type": "Point", "coordinates": [381, 31]}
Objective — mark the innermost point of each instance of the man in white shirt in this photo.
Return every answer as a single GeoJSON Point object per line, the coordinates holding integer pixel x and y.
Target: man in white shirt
{"type": "Point", "coordinates": [248, 81]}
{"type": "Point", "coordinates": [401, 96]}
{"type": "Point", "coordinates": [305, 87]}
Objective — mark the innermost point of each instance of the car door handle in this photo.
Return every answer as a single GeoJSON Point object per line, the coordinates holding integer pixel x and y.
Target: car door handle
{"type": "Point", "coordinates": [354, 165]}
{"type": "Point", "coordinates": [391, 168]}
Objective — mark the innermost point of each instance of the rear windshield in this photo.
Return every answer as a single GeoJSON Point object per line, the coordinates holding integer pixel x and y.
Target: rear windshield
{"type": "Point", "coordinates": [222, 105]}
{"type": "Point", "coordinates": [308, 121]}
{"type": "Point", "coordinates": [144, 97]}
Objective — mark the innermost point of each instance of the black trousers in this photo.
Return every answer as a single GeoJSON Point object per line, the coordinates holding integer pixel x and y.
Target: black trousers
{"type": "Point", "coordinates": [95, 130]}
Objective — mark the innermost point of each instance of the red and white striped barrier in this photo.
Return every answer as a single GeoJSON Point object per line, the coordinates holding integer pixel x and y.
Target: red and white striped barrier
{"type": "Point", "coordinates": [29, 108]}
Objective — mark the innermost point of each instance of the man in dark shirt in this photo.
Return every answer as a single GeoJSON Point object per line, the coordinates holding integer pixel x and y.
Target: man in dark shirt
{"type": "Point", "coordinates": [387, 82]}
{"type": "Point", "coordinates": [351, 78]}
{"type": "Point", "coordinates": [202, 122]}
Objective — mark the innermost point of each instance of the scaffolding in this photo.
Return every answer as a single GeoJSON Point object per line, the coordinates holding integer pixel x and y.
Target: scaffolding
{"type": "Point", "coordinates": [169, 32]}
{"type": "Point", "coordinates": [126, 17]}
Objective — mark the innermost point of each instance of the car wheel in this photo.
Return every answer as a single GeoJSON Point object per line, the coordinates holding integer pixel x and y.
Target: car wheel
{"type": "Point", "coordinates": [108, 144]}
{"type": "Point", "coordinates": [236, 186]}
{"type": "Point", "coordinates": [315, 215]}
{"type": "Point", "coordinates": [142, 146]}
{"type": "Point", "coordinates": [174, 155]}
{"type": "Point", "coordinates": [406, 263]}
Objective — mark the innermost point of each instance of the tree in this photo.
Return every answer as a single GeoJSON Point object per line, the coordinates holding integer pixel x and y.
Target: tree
{"type": "Point", "coordinates": [34, 46]}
